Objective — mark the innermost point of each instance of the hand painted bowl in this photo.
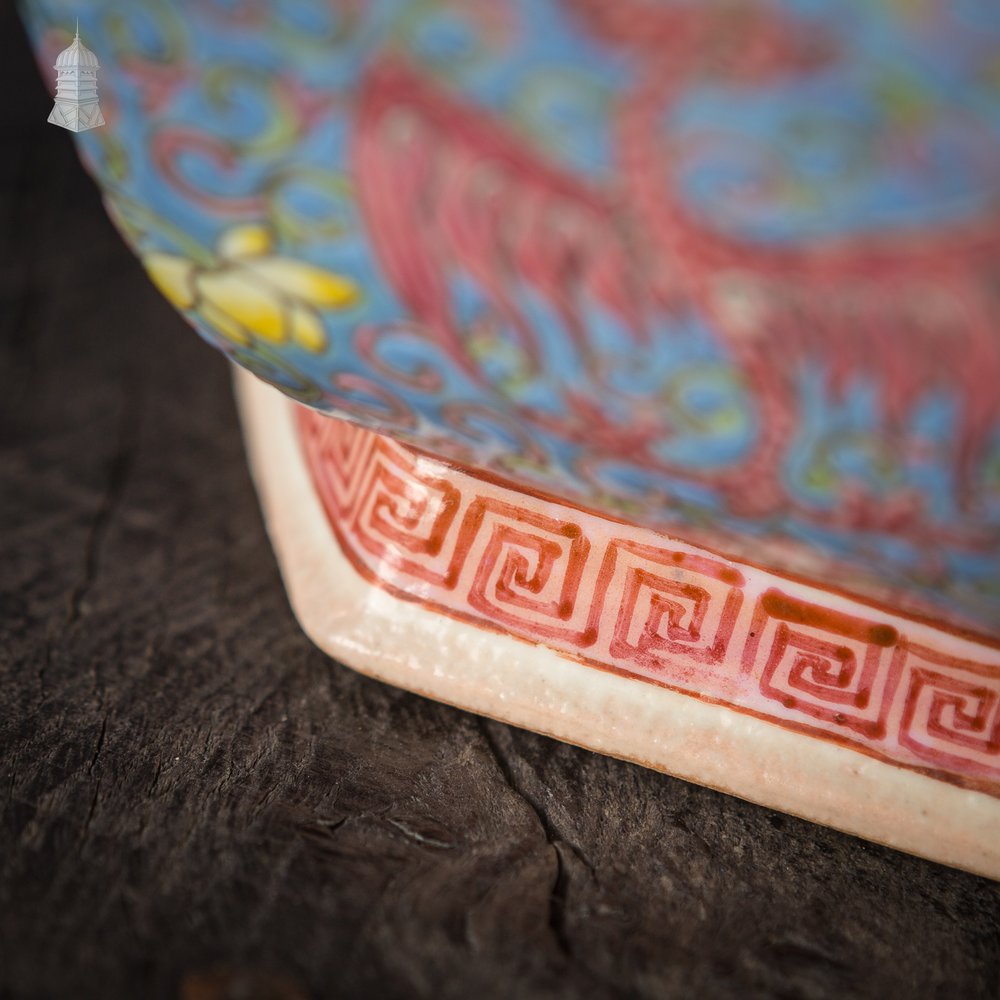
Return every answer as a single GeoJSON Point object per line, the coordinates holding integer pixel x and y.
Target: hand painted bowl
{"type": "Point", "coordinates": [668, 338]}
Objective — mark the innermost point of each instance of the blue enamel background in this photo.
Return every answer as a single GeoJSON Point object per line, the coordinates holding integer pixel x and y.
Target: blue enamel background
{"type": "Point", "coordinates": [902, 130]}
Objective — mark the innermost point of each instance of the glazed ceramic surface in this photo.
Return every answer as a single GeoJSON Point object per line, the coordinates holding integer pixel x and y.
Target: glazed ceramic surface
{"type": "Point", "coordinates": [729, 271]}
{"type": "Point", "coordinates": [642, 604]}
{"type": "Point", "coordinates": [629, 641]}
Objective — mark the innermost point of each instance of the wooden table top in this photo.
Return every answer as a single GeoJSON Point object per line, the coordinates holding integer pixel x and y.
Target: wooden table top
{"type": "Point", "coordinates": [197, 803]}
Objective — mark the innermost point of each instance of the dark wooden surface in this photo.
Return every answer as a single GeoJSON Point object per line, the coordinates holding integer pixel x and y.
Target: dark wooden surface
{"type": "Point", "coordinates": [197, 803]}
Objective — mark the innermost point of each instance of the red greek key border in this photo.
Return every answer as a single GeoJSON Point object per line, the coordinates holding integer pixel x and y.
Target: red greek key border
{"type": "Point", "coordinates": [631, 601]}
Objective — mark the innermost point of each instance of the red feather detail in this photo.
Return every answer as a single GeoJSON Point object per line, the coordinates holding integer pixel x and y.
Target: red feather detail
{"type": "Point", "coordinates": [446, 188]}
{"type": "Point", "coordinates": [443, 186]}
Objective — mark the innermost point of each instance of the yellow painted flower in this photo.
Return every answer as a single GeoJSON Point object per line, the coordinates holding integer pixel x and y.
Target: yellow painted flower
{"type": "Point", "coordinates": [249, 293]}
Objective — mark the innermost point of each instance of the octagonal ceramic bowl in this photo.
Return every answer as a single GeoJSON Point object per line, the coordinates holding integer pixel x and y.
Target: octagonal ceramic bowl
{"type": "Point", "coordinates": [644, 356]}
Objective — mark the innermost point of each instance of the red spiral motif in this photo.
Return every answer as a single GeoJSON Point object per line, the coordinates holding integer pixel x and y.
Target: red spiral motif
{"type": "Point", "coordinates": [626, 600]}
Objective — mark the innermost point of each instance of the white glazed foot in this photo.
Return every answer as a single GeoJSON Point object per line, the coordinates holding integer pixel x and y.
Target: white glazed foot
{"type": "Point", "coordinates": [629, 642]}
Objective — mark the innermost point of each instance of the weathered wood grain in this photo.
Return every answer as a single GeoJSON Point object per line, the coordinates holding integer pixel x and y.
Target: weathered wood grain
{"type": "Point", "coordinates": [196, 803]}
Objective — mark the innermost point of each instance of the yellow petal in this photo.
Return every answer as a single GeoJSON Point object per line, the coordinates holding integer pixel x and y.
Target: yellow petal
{"type": "Point", "coordinates": [223, 324]}
{"type": "Point", "coordinates": [252, 306]}
{"type": "Point", "coordinates": [307, 330]}
{"type": "Point", "coordinates": [173, 276]}
{"type": "Point", "coordinates": [250, 240]}
{"type": "Point", "coordinates": [320, 287]}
